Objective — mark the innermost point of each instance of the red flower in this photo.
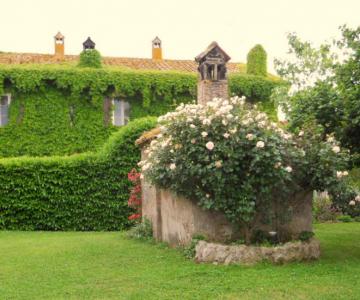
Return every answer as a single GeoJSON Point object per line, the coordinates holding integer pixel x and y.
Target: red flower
{"type": "Point", "coordinates": [135, 194]}
{"type": "Point", "coordinates": [135, 216]}
{"type": "Point", "coordinates": [133, 175]}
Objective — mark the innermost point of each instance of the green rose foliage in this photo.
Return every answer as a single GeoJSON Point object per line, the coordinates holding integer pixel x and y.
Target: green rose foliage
{"type": "Point", "coordinates": [257, 61]}
{"type": "Point", "coordinates": [227, 156]}
{"type": "Point", "coordinates": [90, 58]}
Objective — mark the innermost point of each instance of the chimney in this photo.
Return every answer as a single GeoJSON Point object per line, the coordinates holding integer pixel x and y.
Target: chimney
{"type": "Point", "coordinates": [156, 49]}
{"type": "Point", "coordinates": [88, 44]}
{"type": "Point", "coordinates": [59, 45]}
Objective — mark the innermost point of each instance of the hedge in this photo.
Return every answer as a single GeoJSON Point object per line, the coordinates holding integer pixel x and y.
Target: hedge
{"type": "Point", "coordinates": [86, 191]}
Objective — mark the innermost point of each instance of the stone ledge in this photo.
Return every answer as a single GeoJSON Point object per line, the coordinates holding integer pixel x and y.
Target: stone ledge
{"type": "Point", "coordinates": [248, 255]}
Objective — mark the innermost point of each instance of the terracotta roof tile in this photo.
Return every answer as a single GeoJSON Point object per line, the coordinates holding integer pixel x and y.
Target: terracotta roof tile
{"type": "Point", "coordinates": [132, 63]}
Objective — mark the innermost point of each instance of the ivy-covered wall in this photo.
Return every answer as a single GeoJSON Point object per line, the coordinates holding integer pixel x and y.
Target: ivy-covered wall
{"type": "Point", "coordinates": [59, 109]}
{"type": "Point", "coordinates": [50, 123]}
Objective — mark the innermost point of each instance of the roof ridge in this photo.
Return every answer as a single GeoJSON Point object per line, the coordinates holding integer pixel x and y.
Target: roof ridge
{"type": "Point", "coordinates": [137, 63]}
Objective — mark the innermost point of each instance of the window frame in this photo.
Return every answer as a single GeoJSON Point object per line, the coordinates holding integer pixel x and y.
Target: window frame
{"type": "Point", "coordinates": [7, 106]}
{"type": "Point", "coordinates": [123, 107]}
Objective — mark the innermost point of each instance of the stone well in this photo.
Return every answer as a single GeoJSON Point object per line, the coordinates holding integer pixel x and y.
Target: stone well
{"type": "Point", "coordinates": [176, 220]}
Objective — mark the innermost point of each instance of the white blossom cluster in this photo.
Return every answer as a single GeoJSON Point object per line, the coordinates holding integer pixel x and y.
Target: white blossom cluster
{"type": "Point", "coordinates": [355, 201]}
{"type": "Point", "coordinates": [223, 111]}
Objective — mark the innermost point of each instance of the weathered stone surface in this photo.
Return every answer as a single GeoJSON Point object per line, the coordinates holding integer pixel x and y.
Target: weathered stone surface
{"type": "Point", "coordinates": [248, 255]}
{"type": "Point", "coordinates": [208, 90]}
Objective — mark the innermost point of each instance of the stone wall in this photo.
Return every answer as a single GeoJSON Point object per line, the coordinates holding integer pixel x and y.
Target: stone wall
{"type": "Point", "coordinates": [208, 90]}
{"type": "Point", "coordinates": [248, 255]}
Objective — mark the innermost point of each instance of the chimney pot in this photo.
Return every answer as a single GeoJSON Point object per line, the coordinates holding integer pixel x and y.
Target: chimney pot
{"type": "Point", "coordinates": [156, 49]}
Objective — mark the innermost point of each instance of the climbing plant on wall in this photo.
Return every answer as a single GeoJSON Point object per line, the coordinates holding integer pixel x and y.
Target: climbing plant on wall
{"type": "Point", "coordinates": [59, 110]}
{"type": "Point", "coordinates": [90, 58]}
{"type": "Point", "coordinates": [148, 85]}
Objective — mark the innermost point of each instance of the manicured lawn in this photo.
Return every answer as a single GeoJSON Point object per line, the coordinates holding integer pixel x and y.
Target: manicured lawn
{"type": "Point", "coordinates": [75, 265]}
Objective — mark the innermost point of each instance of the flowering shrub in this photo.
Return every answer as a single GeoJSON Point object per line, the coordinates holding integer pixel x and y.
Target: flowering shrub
{"type": "Point", "coordinates": [227, 156]}
{"type": "Point", "coordinates": [135, 194]}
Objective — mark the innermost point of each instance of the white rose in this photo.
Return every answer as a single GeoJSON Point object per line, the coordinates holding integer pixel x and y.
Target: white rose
{"type": "Point", "coordinates": [172, 166]}
{"type": "Point", "coordinates": [330, 139]}
{"type": "Point", "coordinates": [218, 164]}
{"type": "Point", "coordinates": [288, 169]}
{"type": "Point", "coordinates": [210, 145]}
{"type": "Point", "coordinates": [277, 165]}
{"type": "Point", "coordinates": [352, 203]}
{"type": "Point", "coordinates": [250, 136]}
{"type": "Point", "coordinates": [234, 130]}
{"type": "Point", "coordinates": [229, 116]}
{"type": "Point", "coordinates": [206, 122]}
{"type": "Point", "coordinates": [286, 136]}
{"type": "Point", "coordinates": [226, 135]}
{"type": "Point", "coordinates": [336, 149]}
{"type": "Point", "coordinates": [262, 124]}
{"type": "Point", "coordinates": [301, 133]}
{"type": "Point", "coordinates": [340, 174]}
{"type": "Point", "coordinates": [192, 126]}
{"type": "Point", "coordinates": [357, 198]}
{"type": "Point", "coordinates": [193, 141]}
{"type": "Point", "coordinates": [204, 134]}
{"type": "Point", "coordinates": [260, 144]}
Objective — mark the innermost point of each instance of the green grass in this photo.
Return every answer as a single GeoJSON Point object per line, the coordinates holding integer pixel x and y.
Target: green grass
{"type": "Point", "coordinates": [106, 265]}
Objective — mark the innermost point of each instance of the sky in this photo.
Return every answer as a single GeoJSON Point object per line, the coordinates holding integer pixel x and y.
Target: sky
{"type": "Point", "coordinates": [126, 27]}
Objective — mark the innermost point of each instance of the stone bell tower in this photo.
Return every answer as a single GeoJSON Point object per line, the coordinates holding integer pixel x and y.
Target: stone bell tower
{"type": "Point", "coordinates": [212, 77]}
{"type": "Point", "coordinates": [59, 45]}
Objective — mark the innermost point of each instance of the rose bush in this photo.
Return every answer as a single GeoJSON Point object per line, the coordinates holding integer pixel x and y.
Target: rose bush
{"type": "Point", "coordinates": [229, 157]}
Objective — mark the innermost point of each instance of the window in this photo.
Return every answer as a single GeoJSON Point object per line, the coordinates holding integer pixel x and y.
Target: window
{"type": "Point", "coordinates": [4, 109]}
{"type": "Point", "coordinates": [121, 112]}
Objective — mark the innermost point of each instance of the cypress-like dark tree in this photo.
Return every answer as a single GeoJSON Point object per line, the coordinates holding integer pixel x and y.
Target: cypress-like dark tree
{"type": "Point", "coordinates": [257, 61]}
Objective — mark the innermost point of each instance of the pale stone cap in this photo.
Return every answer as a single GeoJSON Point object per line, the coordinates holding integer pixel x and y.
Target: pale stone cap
{"type": "Point", "coordinates": [147, 137]}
